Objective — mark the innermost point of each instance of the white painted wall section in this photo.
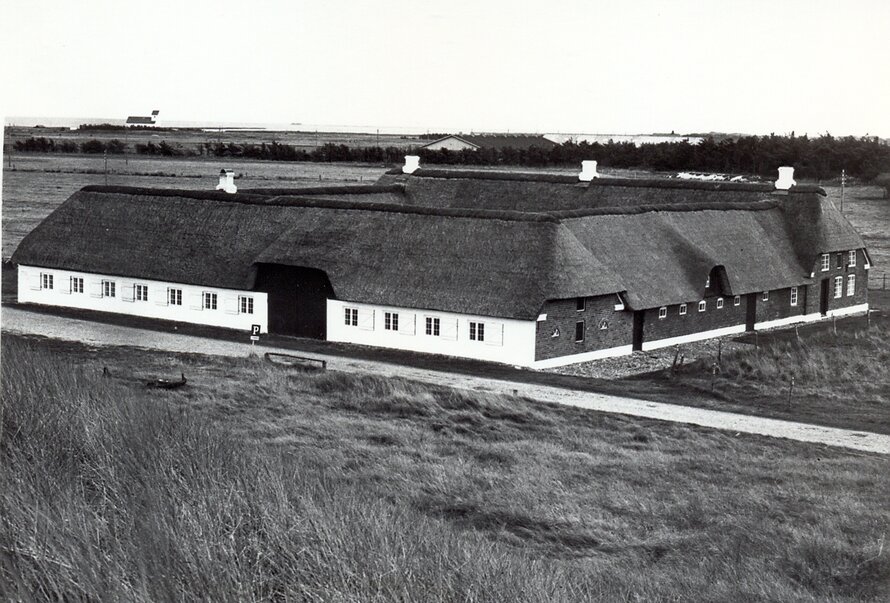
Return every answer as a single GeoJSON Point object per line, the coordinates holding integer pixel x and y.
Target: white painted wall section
{"type": "Point", "coordinates": [505, 340]}
{"type": "Point", "coordinates": [228, 312]}
{"type": "Point", "coordinates": [622, 350]}
{"type": "Point", "coordinates": [663, 343]}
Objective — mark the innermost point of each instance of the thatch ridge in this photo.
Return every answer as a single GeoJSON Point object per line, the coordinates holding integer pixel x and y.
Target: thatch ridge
{"type": "Point", "coordinates": [358, 189]}
{"type": "Point", "coordinates": [674, 207]}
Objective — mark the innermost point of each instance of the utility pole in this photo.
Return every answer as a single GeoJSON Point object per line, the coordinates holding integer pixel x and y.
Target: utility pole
{"type": "Point", "coordinates": [843, 185]}
{"type": "Point", "coordinates": [105, 156]}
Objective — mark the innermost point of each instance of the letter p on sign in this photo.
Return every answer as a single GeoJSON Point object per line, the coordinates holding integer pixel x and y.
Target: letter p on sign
{"type": "Point", "coordinates": [254, 329]}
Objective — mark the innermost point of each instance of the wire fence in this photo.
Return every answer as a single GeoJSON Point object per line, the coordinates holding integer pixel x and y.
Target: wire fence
{"type": "Point", "coordinates": [878, 281]}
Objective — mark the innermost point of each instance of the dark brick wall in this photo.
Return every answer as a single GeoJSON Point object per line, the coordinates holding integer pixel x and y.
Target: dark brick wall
{"type": "Point", "coordinates": [562, 314]}
{"type": "Point", "coordinates": [861, 293]}
{"type": "Point", "coordinates": [779, 304]}
{"type": "Point", "coordinates": [675, 325]}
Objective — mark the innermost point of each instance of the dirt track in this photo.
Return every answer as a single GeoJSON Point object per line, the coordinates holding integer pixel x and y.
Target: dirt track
{"type": "Point", "coordinates": [20, 321]}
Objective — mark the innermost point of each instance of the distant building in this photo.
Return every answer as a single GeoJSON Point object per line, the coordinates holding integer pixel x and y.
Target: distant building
{"type": "Point", "coordinates": [536, 270]}
{"type": "Point", "coordinates": [141, 120]}
{"type": "Point", "coordinates": [489, 141]}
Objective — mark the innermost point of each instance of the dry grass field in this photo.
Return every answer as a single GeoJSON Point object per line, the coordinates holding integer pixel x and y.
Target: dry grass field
{"type": "Point", "coordinates": [258, 482]}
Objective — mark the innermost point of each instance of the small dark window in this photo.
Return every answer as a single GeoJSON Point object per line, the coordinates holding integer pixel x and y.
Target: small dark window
{"type": "Point", "coordinates": [840, 260]}
{"type": "Point", "coordinates": [580, 304]}
{"type": "Point", "coordinates": [579, 330]}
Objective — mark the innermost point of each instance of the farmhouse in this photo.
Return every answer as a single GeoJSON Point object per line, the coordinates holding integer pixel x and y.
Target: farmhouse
{"type": "Point", "coordinates": [475, 142]}
{"type": "Point", "coordinates": [527, 269]}
{"type": "Point", "coordinates": [143, 120]}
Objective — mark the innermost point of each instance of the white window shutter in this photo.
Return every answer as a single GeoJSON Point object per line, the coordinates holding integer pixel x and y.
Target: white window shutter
{"type": "Point", "coordinates": [407, 323]}
{"type": "Point", "coordinates": [95, 288]}
{"type": "Point", "coordinates": [230, 304]}
{"type": "Point", "coordinates": [161, 295]}
{"type": "Point", "coordinates": [449, 329]}
{"type": "Point", "coordinates": [366, 319]}
{"type": "Point", "coordinates": [64, 285]}
{"type": "Point", "coordinates": [35, 281]}
{"type": "Point", "coordinates": [494, 333]}
{"type": "Point", "coordinates": [127, 292]}
{"type": "Point", "coordinates": [197, 301]}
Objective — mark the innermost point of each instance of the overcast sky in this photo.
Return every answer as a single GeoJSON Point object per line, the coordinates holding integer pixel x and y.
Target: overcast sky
{"type": "Point", "coordinates": [630, 66]}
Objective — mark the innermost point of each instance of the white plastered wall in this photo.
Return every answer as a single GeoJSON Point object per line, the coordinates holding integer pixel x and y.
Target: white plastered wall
{"type": "Point", "coordinates": [506, 340]}
{"type": "Point", "coordinates": [227, 313]}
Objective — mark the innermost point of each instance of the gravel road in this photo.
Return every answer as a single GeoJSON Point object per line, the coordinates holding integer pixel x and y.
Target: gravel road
{"type": "Point", "coordinates": [14, 320]}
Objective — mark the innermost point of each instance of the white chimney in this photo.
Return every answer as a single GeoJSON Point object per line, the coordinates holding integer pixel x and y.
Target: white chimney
{"type": "Point", "coordinates": [412, 164]}
{"type": "Point", "coordinates": [227, 181]}
{"type": "Point", "coordinates": [588, 171]}
{"type": "Point", "coordinates": [786, 178]}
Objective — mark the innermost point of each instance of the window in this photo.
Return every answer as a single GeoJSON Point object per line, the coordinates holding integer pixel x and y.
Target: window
{"type": "Point", "coordinates": [851, 284]}
{"type": "Point", "coordinates": [209, 301]}
{"type": "Point", "coordinates": [76, 284]}
{"type": "Point", "coordinates": [719, 303]}
{"type": "Point", "coordinates": [702, 306]}
{"type": "Point", "coordinates": [851, 261]}
{"type": "Point", "coordinates": [580, 304]}
{"type": "Point", "coordinates": [351, 315]}
{"type": "Point", "coordinates": [432, 326]}
{"type": "Point", "coordinates": [662, 312]}
{"type": "Point", "coordinates": [174, 297]}
{"type": "Point", "coordinates": [391, 321]}
{"type": "Point", "coordinates": [826, 262]}
{"type": "Point", "coordinates": [682, 309]}
{"type": "Point", "coordinates": [840, 260]}
{"type": "Point", "coordinates": [140, 292]}
{"type": "Point", "coordinates": [579, 331]}
{"type": "Point", "coordinates": [793, 296]}
{"type": "Point", "coordinates": [707, 282]}
{"type": "Point", "coordinates": [737, 300]}
{"type": "Point", "coordinates": [477, 331]}
{"type": "Point", "coordinates": [46, 281]}
{"type": "Point", "coordinates": [838, 286]}
{"type": "Point", "coordinates": [245, 304]}
{"type": "Point", "coordinates": [108, 289]}
{"type": "Point", "coordinates": [765, 296]}
{"type": "Point", "coordinates": [604, 324]}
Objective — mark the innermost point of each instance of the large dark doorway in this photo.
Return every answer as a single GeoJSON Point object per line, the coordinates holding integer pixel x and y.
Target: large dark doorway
{"type": "Point", "coordinates": [750, 311]}
{"type": "Point", "coordinates": [639, 316]}
{"type": "Point", "coordinates": [823, 297]}
{"type": "Point", "coordinates": [297, 299]}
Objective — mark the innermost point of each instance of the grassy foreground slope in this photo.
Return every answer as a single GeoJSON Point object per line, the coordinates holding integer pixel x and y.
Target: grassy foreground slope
{"type": "Point", "coordinates": [258, 483]}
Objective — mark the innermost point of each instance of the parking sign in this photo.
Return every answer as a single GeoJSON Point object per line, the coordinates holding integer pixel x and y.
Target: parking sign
{"type": "Point", "coordinates": [255, 329]}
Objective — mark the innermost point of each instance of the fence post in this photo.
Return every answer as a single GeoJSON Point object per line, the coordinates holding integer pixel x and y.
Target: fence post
{"type": "Point", "coordinates": [791, 390]}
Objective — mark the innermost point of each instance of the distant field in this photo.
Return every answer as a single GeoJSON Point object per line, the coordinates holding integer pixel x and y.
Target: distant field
{"type": "Point", "coordinates": [256, 482]}
{"type": "Point", "coordinates": [869, 212]}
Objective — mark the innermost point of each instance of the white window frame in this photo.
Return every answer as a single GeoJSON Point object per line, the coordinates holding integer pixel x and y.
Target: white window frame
{"type": "Point", "coordinates": [477, 331]}
{"type": "Point", "coordinates": [245, 304]}
{"type": "Point", "coordinates": [838, 287]}
{"type": "Point", "coordinates": [719, 303]}
{"type": "Point", "coordinates": [140, 292]}
{"type": "Point", "coordinates": [708, 282]}
{"type": "Point", "coordinates": [604, 324]}
{"type": "Point", "coordinates": [581, 304]}
{"type": "Point", "coordinates": [350, 316]}
{"type": "Point", "coordinates": [737, 300]}
{"type": "Point", "coordinates": [682, 309]}
{"type": "Point", "coordinates": [46, 280]}
{"type": "Point", "coordinates": [390, 321]}
{"type": "Point", "coordinates": [109, 288]}
{"type": "Point", "coordinates": [209, 300]}
{"type": "Point", "coordinates": [702, 306]}
{"type": "Point", "coordinates": [851, 285]}
{"type": "Point", "coordinates": [826, 262]}
{"type": "Point", "coordinates": [174, 296]}
{"type": "Point", "coordinates": [432, 326]}
{"type": "Point", "coordinates": [662, 312]}
{"type": "Point", "coordinates": [76, 284]}
{"type": "Point", "coordinates": [851, 258]}
{"type": "Point", "coordinates": [765, 296]}
{"type": "Point", "coordinates": [793, 296]}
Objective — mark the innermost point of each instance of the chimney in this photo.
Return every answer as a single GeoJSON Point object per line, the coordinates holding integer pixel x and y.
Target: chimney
{"type": "Point", "coordinates": [412, 163]}
{"type": "Point", "coordinates": [786, 178]}
{"type": "Point", "coordinates": [588, 171]}
{"type": "Point", "coordinates": [227, 181]}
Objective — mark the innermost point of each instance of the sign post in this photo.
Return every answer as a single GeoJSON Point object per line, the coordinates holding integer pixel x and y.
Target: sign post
{"type": "Point", "coordinates": [254, 334]}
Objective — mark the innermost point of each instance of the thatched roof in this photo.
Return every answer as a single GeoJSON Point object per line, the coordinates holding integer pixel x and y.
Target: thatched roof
{"type": "Point", "coordinates": [420, 242]}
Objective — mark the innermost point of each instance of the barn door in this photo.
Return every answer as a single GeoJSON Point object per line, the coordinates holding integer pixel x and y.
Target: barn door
{"type": "Point", "coordinates": [638, 330]}
{"type": "Point", "coordinates": [823, 297]}
{"type": "Point", "coordinates": [750, 311]}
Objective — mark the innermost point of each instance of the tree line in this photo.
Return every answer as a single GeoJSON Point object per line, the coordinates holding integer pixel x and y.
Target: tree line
{"type": "Point", "coordinates": [817, 158]}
